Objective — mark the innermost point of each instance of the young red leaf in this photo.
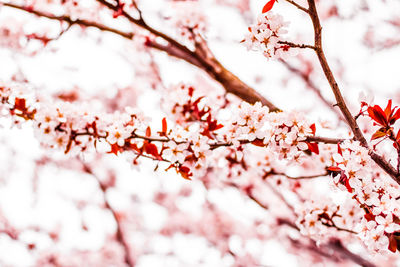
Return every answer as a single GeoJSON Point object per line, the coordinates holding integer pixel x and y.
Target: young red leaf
{"type": "Point", "coordinates": [115, 148]}
{"type": "Point", "coordinates": [313, 147]}
{"type": "Point", "coordinates": [388, 109]}
{"type": "Point", "coordinates": [258, 142]}
{"type": "Point", "coordinates": [135, 147]}
{"type": "Point", "coordinates": [396, 115]}
{"type": "Point", "coordinates": [334, 169]}
{"type": "Point", "coordinates": [20, 104]}
{"type": "Point", "coordinates": [268, 6]}
{"type": "Point", "coordinates": [151, 149]}
{"type": "Point", "coordinates": [148, 131]}
{"type": "Point", "coordinates": [377, 114]}
{"type": "Point", "coordinates": [347, 184]}
{"type": "Point", "coordinates": [378, 134]}
{"type": "Point", "coordinates": [392, 243]}
{"type": "Point", "coordinates": [164, 126]}
{"type": "Point", "coordinates": [369, 217]}
{"type": "Point", "coordinates": [313, 128]}
{"type": "Point", "coordinates": [185, 172]}
{"type": "Point", "coordinates": [339, 150]}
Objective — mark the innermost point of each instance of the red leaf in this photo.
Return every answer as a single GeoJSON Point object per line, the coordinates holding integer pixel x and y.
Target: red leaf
{"type": "Point", "coordinates": [347, 184]}
{"type": "Point", "coordinates": [151, 149]}
{"type": "Point", "coordinates": [191, 90]}
{"type": "Point", "coordinates": [388, 109]}
{"type": "Point", "coordinates": [339, 150]}
{"type": "Point", "coordinates": [369, 216]}
{"type": "Point", "coordinates": [268, 6]}
{"type": "Point", "coordinates": [148, 131]}
{"type": "Point", "coordinates": [313, 147]}
{"type": "Point", "coordinates": [164, 126]}
{"type": "Point", "coordinates": [392, 243]}
{"type": "Point", "coordinates": [396, 116]}
{"type": "Point", "coordinates": [197, 101]}
{"type": "Point", "coordinates": [135, 147]}
{"type": "Point", "coordinates": [115, 148]}
{"type": "Point", "coordinates": [20, 104]}
{"type": "Point", "coordinates": [185, 172]}
{"type": "Point", "coordinates": [313, 128]}
{"type": "Point", "coordinates": [378, 134]}
{"type": "Point", "coordinates": [334, 169]}
{"type": "Point", "coordinates": [258, 142]}
{"type": "Point", "coordinates": [377, 114]}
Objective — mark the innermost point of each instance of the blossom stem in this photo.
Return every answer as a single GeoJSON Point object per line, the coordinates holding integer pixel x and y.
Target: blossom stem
{"type": "Point", "coordinates": [297, 45]}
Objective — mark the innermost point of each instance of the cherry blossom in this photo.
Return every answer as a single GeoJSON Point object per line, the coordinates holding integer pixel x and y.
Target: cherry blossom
{"type": "Point", "coordinates": [139, 127]}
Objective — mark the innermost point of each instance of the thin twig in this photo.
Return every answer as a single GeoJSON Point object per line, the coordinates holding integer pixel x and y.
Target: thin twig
{"type": "Point", "coordinates": [325, 140]}
{"type": "Point", "coordinates": [304, 177]}
{"type": "Point", "coordinates": [297, 45]}
{"type": "Point", "coordinates": [297, 5]}
{"type": "Point", "coordinates": [70, 21]}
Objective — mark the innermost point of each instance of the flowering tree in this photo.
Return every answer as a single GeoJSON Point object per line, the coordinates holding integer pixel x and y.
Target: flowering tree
{"type": "Point", "coordinates": [241, 174]}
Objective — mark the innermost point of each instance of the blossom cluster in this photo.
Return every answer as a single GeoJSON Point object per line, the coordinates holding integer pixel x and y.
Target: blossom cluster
{"type": "Point", "coordinates": [354, 172]}
{"type": "Point", "coordinates": [284, 133]}
{"type": "Point", "coordinates": [372, 213]}
{"type": "Point", "coordinates": [322, 219]}
{"type": "Point", "coordinates": [186, 146]}
{"type": "Point", "coordinates": [265, 36]}
{"type": "Point", "coordinates": [376, 219]}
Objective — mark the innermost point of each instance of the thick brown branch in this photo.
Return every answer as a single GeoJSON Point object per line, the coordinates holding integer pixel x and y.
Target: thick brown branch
{"type": "Point", "coordinates": [211, 65]}
{"type": "Point", "coordinates": [329, 75]}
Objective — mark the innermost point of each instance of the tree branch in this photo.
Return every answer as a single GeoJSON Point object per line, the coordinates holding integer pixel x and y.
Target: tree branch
{"type": "Point", "coordinates": [387, 167]}
{"type": "Point", "coordinates": [70, 21]}
{"type": "Point", "coordinates": [334, 244]}
{"type": "Point", "coordinates": [304, 177]}
{"type": "Point", "coordinates": [210, 65]}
